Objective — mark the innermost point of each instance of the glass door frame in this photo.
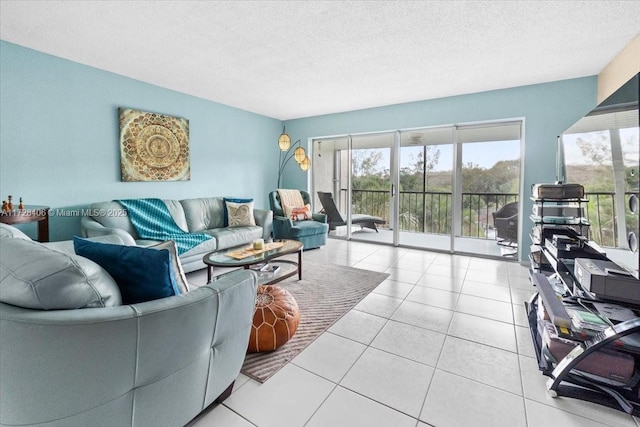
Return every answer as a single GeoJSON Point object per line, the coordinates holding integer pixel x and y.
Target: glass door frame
{"type": "Point", "coordinates": [444, 135]}
{"type": "Point", "coordinates": [457, 220]}
{"type": "Point", "coordinates": [456, 188]}
{"type": "Point", "coordinates": [345, 153]}
{"type": "Point", "coordinates": [394, 177]}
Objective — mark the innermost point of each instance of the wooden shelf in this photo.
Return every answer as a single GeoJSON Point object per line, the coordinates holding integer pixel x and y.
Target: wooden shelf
{"type": "Point", "coordinates": [30, 213]}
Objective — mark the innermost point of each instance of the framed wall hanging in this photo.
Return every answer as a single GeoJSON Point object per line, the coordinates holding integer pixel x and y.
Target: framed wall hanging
{"type": "Point", "coordinates": [153, 147]}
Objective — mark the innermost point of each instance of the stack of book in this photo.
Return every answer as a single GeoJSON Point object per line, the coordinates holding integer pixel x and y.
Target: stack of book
{"type": "Point", "coordinates": [587, 322]}
{"type": "Point", "coordinates": [264, 268]}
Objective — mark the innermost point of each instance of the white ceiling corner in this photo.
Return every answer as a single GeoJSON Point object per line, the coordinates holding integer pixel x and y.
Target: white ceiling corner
{"type": "Point", "coordinates": [291, 59]}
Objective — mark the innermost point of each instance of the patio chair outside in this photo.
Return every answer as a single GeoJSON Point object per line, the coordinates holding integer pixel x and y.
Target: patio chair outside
{"type": "Point", "coordinates": [506, 222]}
{"type": "Point", "coordinates": [336, 219]}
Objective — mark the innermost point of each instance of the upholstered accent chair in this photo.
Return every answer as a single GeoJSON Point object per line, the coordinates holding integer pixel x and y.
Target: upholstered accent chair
{"type": "Point", "coordinates": [312, 232]}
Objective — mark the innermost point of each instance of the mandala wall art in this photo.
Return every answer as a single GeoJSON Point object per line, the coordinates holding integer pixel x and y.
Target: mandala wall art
{"type": "Point", "coordinates": [153, 147]}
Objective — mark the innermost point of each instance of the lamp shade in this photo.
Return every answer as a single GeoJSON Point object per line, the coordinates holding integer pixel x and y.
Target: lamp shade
{"type": "Point", "coordinates": [299, 154]}
{"type": "Point", "coordinates": [305, 164]}
{"type": "Point", "coordinates": [284, 142]}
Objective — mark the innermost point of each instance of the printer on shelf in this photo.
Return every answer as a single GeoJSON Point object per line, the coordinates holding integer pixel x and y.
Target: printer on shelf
{"type": "Point", "coordinates": [607, 280]}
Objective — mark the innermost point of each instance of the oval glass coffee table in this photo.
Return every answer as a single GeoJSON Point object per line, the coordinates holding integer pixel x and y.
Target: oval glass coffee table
{"type": "Point", "coordinates": [263, 262]}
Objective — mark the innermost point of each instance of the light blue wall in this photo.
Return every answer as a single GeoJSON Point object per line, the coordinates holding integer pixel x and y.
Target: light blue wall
{"type": "Point", "coordinates": [59, 133]}
{"type": "Point", "coordinates": [59, 138]}
{"type": "Point", "coordinates": [548, 109]}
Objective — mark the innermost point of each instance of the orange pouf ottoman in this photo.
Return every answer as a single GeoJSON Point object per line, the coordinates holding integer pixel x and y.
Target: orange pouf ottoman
{"type": "Point", "coordinates": [275, 320]}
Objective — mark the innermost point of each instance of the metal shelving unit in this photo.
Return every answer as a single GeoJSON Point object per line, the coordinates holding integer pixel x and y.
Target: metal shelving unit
{"type": "Point", "coordinates": [560, 234]}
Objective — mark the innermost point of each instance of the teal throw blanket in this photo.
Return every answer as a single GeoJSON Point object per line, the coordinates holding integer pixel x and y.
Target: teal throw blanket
{"type": "Point", "coordinates": [152, 220]}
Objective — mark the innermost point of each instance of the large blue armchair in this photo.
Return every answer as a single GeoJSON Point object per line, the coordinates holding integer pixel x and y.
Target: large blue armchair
{"type": "Point", "coordinates": [312, 233]}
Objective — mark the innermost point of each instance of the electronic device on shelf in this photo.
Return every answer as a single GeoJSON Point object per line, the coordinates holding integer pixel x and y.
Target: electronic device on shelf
{"type": "Point", "coordinates": [569, 247]}
{"type": "Point", "coordinates": [607, 280]}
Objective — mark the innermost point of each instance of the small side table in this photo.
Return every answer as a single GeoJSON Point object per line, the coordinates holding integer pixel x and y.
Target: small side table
{"type": "Point", "coordinates": [30, 213]}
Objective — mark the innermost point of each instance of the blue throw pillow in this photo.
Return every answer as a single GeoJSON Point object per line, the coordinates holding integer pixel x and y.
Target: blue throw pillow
{"type": "Point", "coordinates": [225, 215]}
{"type": "Point", "coordinates": [142, 274]}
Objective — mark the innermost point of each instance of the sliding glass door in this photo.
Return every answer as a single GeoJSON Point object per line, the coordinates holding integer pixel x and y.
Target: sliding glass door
{"type": "Point", "coordinates": [372, 190]}
{"type": "Point", "coordinates": [488, 179]}
{"type": "Point", "coordinates": [425, 196]}
{"type": "Point", "coordinates": [434, 188]}
{"type": "Point", "coordinates": [357, 171]}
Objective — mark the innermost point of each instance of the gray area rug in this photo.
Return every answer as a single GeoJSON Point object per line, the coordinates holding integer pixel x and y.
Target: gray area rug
{"type": "Point", "coordinates": [324, 295]}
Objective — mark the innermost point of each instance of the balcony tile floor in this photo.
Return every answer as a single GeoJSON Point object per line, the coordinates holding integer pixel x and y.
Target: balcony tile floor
{"type": "Point", "coordinates": [443, 342]}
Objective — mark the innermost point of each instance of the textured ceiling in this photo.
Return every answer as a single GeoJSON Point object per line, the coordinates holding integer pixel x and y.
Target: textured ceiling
{"type": "Point", "coordinates": [290, 59]}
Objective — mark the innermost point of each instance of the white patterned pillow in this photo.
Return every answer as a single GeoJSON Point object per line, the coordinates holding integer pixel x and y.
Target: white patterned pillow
{"type": "Point", "coordinates": [176, 266]}
{"type": "Point", "coordinates": [240, 214]}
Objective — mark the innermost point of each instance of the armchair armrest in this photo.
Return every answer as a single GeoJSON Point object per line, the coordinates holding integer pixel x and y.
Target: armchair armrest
{"type": "Point", "coordinates": [496, 216]}
{"type": "Point", "coordinates": [320, 217]}
{"type": "Point", "coordinates": [91, 228]}
{"type": "Point", "coordinates": [507, 218]}
{"type": "Point", "coordinates": [505, 221]}
{"type": "Point", "coordinates": [282, 221]}
{"type": "Point", "coordinates": [264, 218]}
{"type": "Point", "coordinates": [281, 227]}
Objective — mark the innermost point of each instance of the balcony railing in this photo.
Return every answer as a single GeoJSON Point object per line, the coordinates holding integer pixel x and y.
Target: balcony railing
{"type": "Point", "coordinates": [603, 218]}
{"type": "Point", "coordinates": [431, 212]}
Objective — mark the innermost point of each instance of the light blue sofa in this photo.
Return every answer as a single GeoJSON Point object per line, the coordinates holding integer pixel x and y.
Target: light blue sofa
{"type": "Point", "coordinates": [157, 363]}
{"type": "Point", "coordinates": [199, 215]}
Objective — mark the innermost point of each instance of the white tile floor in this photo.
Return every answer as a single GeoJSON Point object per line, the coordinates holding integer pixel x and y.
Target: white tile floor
{"type": "Point", "coordinates": [442, 342]}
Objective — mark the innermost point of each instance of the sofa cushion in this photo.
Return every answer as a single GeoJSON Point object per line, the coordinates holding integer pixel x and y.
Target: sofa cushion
{"type": "Point", "coordinates": [177, 213]}
{"type": "Point", "coordinates": [204, 213]}
{"type": "Point", "coordinates": [230, 237]}
{"type": "Point", "coordinates": [153, 220]}
{"type": "Point", "coordinates": [240, 214]}
{"type": "Point", "coordinates": [176, 265]}
{"type": "Point", "coordinates": [37, 277]}
{"type": "Point", "coordinates": [226, 211]}
{"type": "Point", "coordinates": [307, 228]}
{"type": "Point", "coordinates": [66, 246]}
{"type": "Point", "coordinates": [142, 274]}
{"type": "Point", "coordinates": [112, 215]}
{"type": "Point", "coordinates": [204, 247]}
